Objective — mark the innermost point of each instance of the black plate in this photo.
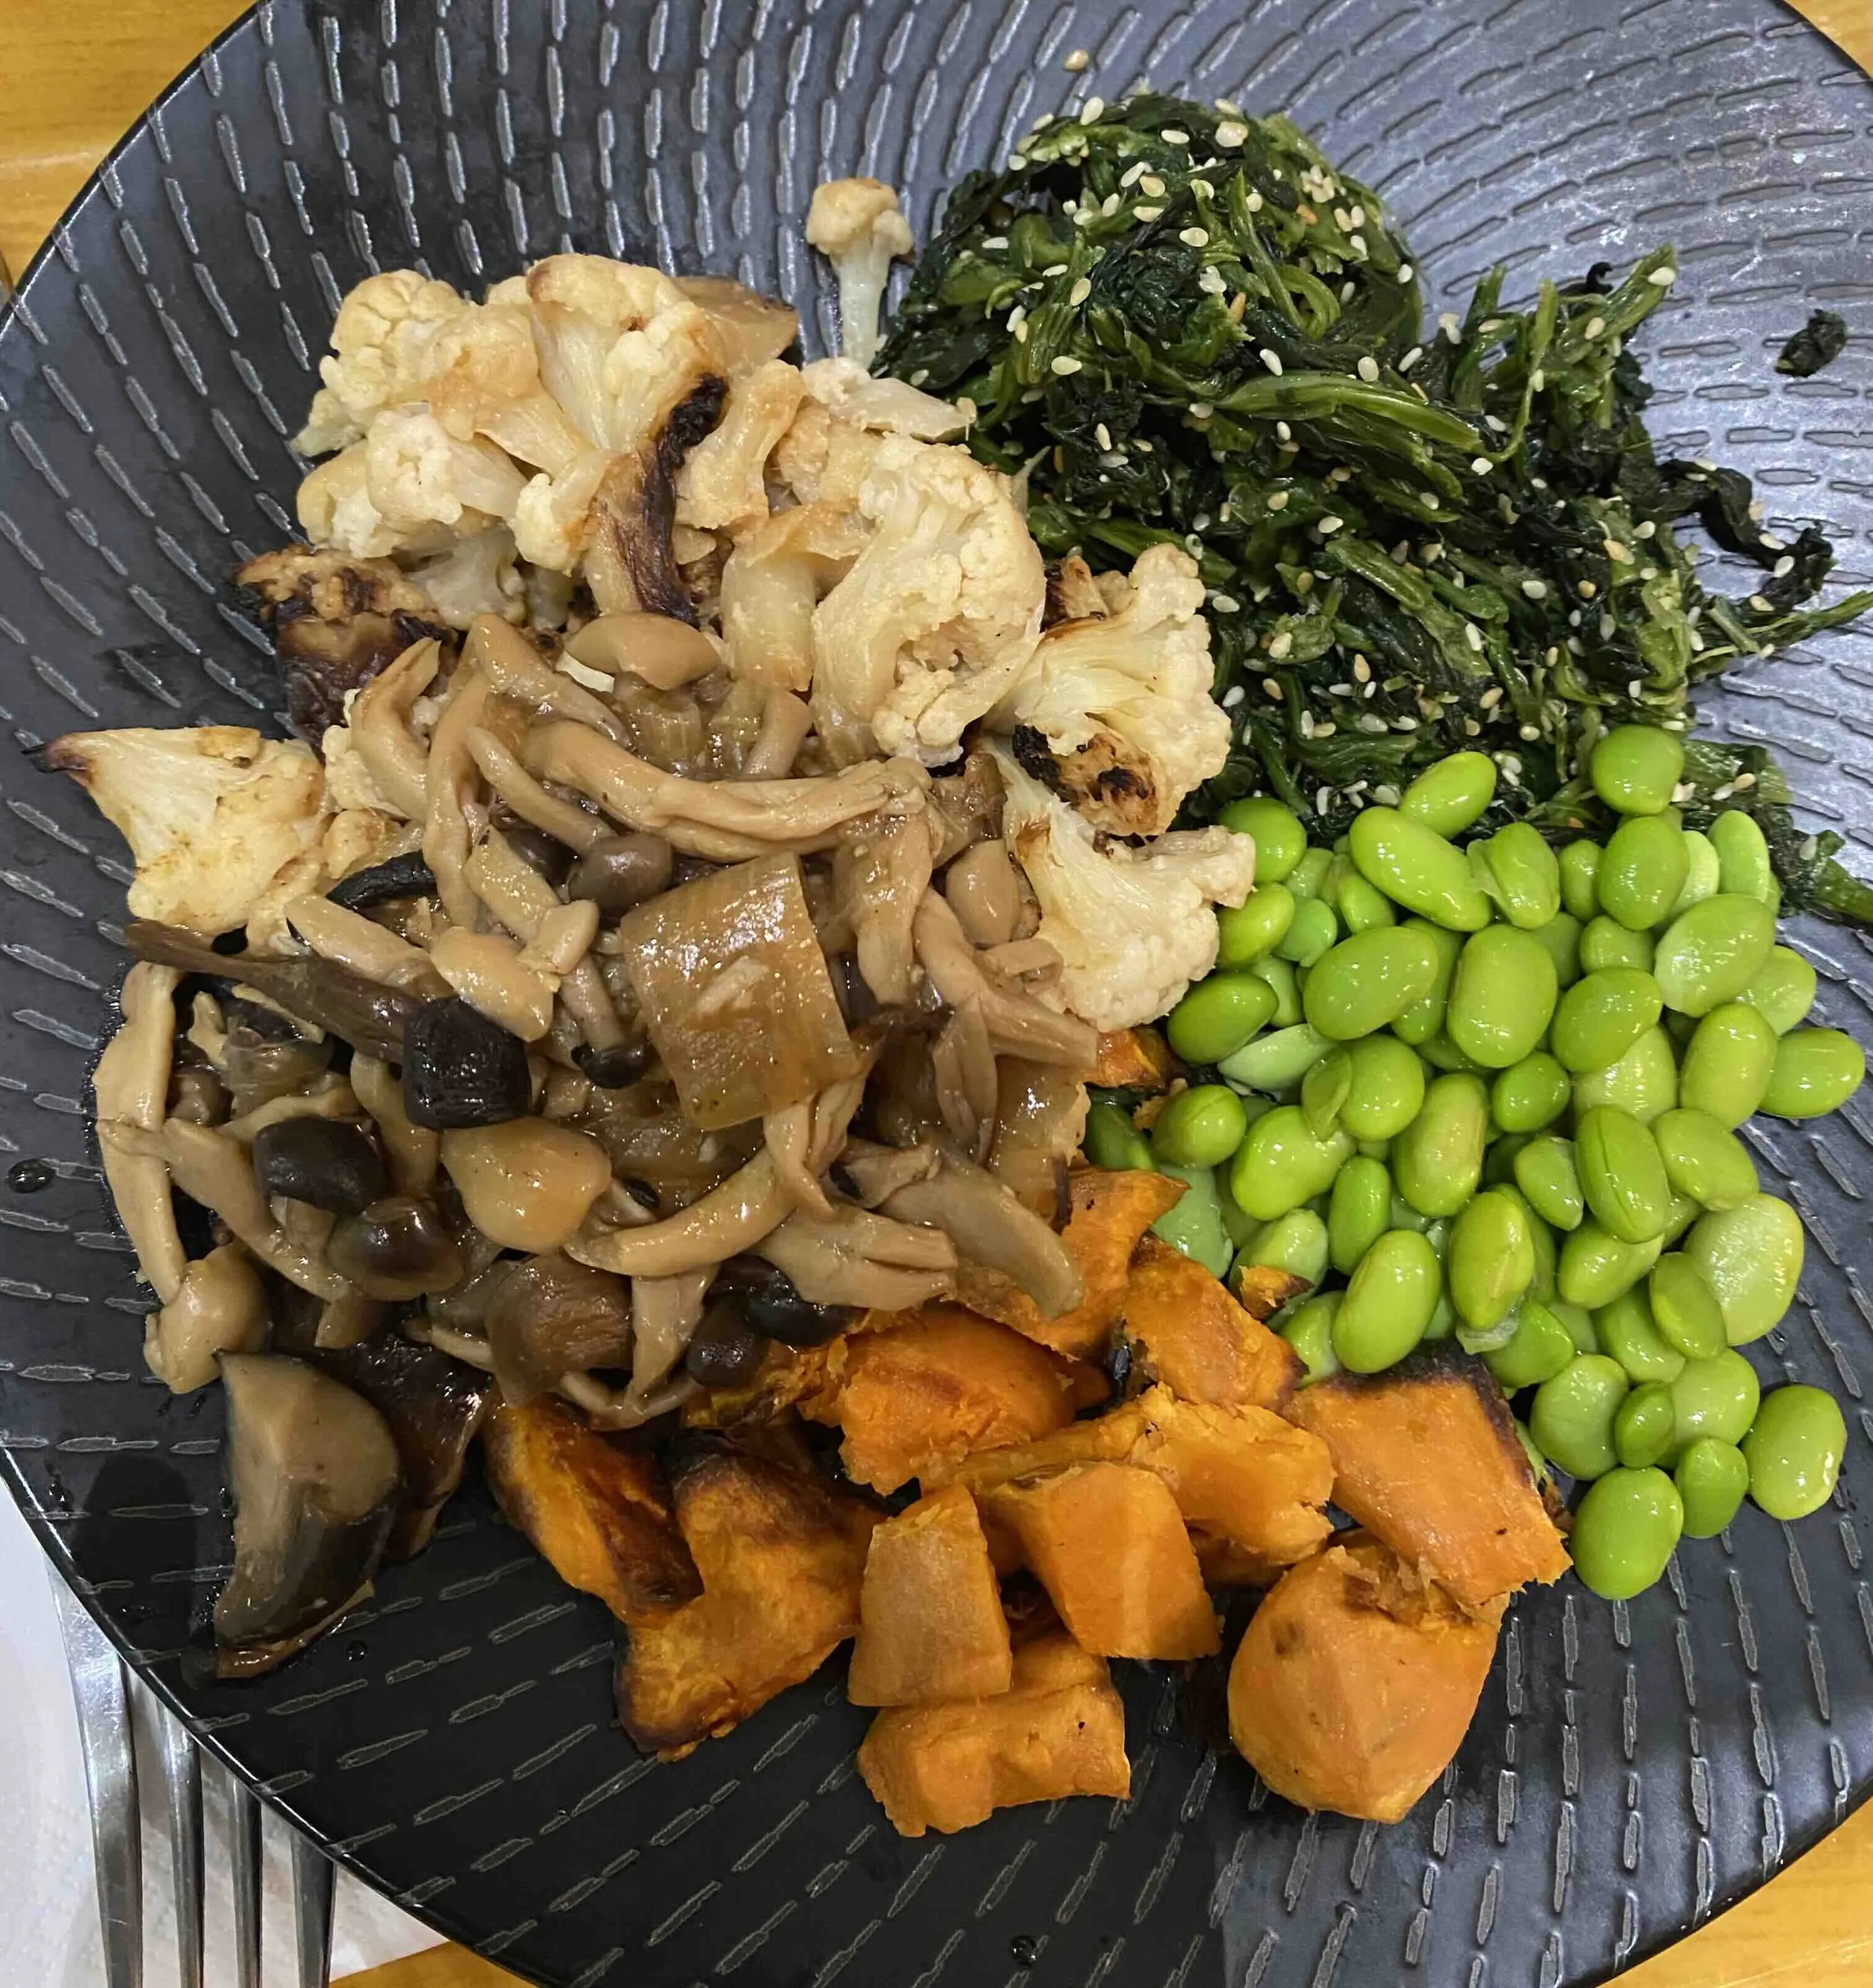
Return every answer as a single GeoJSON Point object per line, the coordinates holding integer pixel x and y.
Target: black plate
{"type": "Point", "coordinates": [1632, 1770]}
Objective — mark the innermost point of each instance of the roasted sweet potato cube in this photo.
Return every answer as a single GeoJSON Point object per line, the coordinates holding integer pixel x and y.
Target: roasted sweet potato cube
{"type": "Point", "coordinates": [601, 1513]}
{"type": "Point", "coordinates": [781, 1555]}
{"type": "Point", "coordinates": [1189, 1335]}
{"type": "Point", "coordinates": [1110, 1211]}
{"type": "Point", "coordinates": [1426, 1457]}
{"type": "Point", "coordinates": [1058, 1729]}
{"type": "Point", "coordinates": [1225, 1565]}
{"type": "Point", "coordinates": [915, 1398]}
{"type": "Point", "coordinates": [1132, 1060]}
{"type": "Point", "coordinates": [931, 1625]}
{"type": "Point", "coordinates": [1356, 1681]}
{"type": "Point", "coordinates": [1107, 1542]}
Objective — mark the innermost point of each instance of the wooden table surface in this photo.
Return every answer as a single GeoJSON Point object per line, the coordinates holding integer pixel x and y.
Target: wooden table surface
{"type": "Point", "coordinates": [73, 74]}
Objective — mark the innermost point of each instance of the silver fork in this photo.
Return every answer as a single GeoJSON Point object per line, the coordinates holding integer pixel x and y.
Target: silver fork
{"type": "Point", "coordinates": [101, 1691]}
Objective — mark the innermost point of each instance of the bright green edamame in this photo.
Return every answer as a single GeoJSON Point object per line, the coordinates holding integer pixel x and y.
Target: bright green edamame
{"type": "Point", "coordinates": [1784, 989]}
{"type": "Point", "coordinates": [1794, 1451]}
{"type": "Point", "coordinates": [1538, 1349]}
{"type": "Point", "coordinates": [1644, 1081]}
{"type": "Point", "coordinates": [1625, 1531]}
{"type": "Point", "coordinates": [1442, 1053]}
{"type": "Point", "coordinates": [1308, 876]}
{"type": "Point", "coordinates": [1605, 942]}
{"type": "Point", "coordinates": [1424, 1018]}
{"type": "Point", "coordinates": [1255, 927]}
{"type": "Point", "coordinates": [1275, 1061]}
{"type": "Point", "coordinates": [1368, 981]}
{"type": "Point", "coordinates": [1219, 1015]}
{"type": "Point", "coordinates": [1415, 866]}
{"type": "Point", "coordinates": [1359, 1213]}
{"type": "Point", "coordinates": [1744, 868]}
{"type": "Point", "coordinates": [1728, 1063]}
{"type": "Point", "coordinates": [1816, 1071]}
{"type": "Point", "coordinates": [1703, 874]}
{"type": "Point", "coordinates": [1704, 1158]}
{"type": "Point", "coordinates": [1360, 907]}
{"type": "Point", "coordinates": [1437, 1160]}
{"type": "Point", "coordinates": [1194, 1225]}
{"type": "Point", "coordinates": [1635, 769]}
{"type": "Point", "coordinates": [1684, 1308]}
{"type": "Point", "coordinates": [1531, 1094]}
{"type": "Point", "coordinates": [1310, 1330]}
{"type": "Point", "coordinates": [1572, 1418]}
{"type": "Point", "coordinates": [1580, 874]}
{"type": "Point", "coordinates": [1561, 936]}
{"type": "Point", "coordinates": [1112, 1140]}
{"type": "Point", "coordinates": [1709, 955]}
{"type": "Point", "coordinates": [1579, 1322]}
{"type": "Point", "coordinates": [1546, 1172]}
{"type": "Point", "coordinates": [1388, 1302]}
{"type": "Point", "coordinates": [1323, 1091]}
{"type": "Point", "coordinates": [1716, 1397]}
{"type": "Point", "coordinates": [1595, 1267]}
{"type": "Point", "coordinates": [1296, 1243]}
{"type": "Point", "coordinates": [1712, 1477]}
{"type": "Point", "coordinates": [1280, 976]}
{"type": "Point", "coordinates": [1750, 1256]}
{"type": "Point", "coordinates": [1281, 1164]}
{"type": "Point", "coordinates": [1388, 1088]}
{"type": "Point", "coordinates": [1630, 1334]}
{"type": "Point", "coordinates": [1491, 1260]}
{"type": "Point", "coordinates": [1621, 1175]}
{"type": "Point", "coordinates": [1311, 933]}
{"type": "Point", "coordinates": [1502, 996]}
{"type": "Point", "coordinates": [1201, 1127]}
{"type": "Point", "coordinates": [1517, 870]}
{"type": "Point", "coordinates": [1600, 1017]}
{"type": "Point", "coordinates": [1280, 841]}
{"type": "Point", "coordinates": [1641, 871]}
{"type": "Point", "coordinates": [1450, 796]}
{"type": "Point", "coordinates": [1643, 1428]}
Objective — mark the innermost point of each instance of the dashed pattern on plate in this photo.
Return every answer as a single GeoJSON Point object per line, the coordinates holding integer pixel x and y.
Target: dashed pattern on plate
{"type": "Point", "coordinates": [1632, 1770]}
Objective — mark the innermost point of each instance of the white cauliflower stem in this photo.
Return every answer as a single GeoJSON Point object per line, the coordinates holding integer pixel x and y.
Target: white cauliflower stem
{"type": "Point", "coordinates": [1134, 927]}
{"type": "Point", "coordinates": [855, 223]}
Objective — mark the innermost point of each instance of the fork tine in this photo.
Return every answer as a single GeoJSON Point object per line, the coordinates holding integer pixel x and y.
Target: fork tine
{"type": "Point", "coordinates": [244, 1836]}
{"type": "Point", "coordinates": [104, 1736]}
{"type": "Point", "coordinates": [182, 1783]}
{"type": "Point", "coordinates": [313, 1874]}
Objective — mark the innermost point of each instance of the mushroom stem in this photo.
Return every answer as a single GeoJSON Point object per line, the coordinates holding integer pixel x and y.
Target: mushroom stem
{"type": "Point", "coordinates": [729, 1219]}
{"type": "Point", "coordinates": [380, 730]}
{"type": "Point", "coordinates": [132, 1088]}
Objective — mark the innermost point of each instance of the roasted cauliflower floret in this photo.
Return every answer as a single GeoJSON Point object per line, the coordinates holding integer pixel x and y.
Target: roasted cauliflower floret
{"type": "Point", "coordinates": [1114, 712]}
{"type": "Point", "coordinates": [724, 483]}
{"type": "Point", "coordinates": [1134, 927]}
{"type": "Point", "coordinates": [417, 473]}
{"type": "Point", "coordinates": [475, 576]}
{"type": "Point", "coordinates": [379, 347]}
{"type": "Point", "coordinates": [937, 616]}
{"type": "Point", "coordinates": [849, 393]}
{"type": "Point", "coordinates": [211, 814]}
{"type": "Point", "coordinates": [855, 225]}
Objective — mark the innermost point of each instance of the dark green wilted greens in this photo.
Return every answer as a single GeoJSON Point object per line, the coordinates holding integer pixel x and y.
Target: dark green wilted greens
{"type": "Point", "coordinates": [1185, 325]}
{"type": "Point", "coordinates": [1819, 342]}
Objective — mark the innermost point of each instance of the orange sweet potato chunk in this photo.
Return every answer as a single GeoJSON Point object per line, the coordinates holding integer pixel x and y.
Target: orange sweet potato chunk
{"type": "Point", "coordinates": [1190, 1335]}
{"type": "Point", "coordinates": [1132, 1060]}
{"type": "Point", "coordinates": [1107, 1542]}
{"type": "Point", "coordinates": [781, 1555]}
{"type": "Point", "coordinates": [601, 1513]}
{"type": "Point", "coordinates": [931, 1625]}
{"type": "Point", "coordinates": [1426, 1458]}
{"type": "Point", "coordinates": [1058, 1729]}
{"type": "Point", "coordinates": [1355, 1683]}
{"type": "Point", "coordinates": [1111, 1211]}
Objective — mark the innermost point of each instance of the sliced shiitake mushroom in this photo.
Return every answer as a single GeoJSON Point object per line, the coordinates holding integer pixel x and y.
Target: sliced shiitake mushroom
{"type": "Point", "coordinates": [459, 1068]}
{"type": "Point", "coordinates": [551, 1316]}
{"type": "Point", "coordinates": [329, 1162]}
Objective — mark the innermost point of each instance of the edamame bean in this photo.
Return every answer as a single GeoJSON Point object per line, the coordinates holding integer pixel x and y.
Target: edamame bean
{"type": "Point", "coordinates": [1295, 1242]}
{"type": "Point", "coordinates": [1323, 1091]}
{"type": "Point", "coordinates": [1194, 1225]}
{"type": "Point", "coordinates": [1281, 1164]}
{"type": "Point", "coordinates": [1537, 1463]}
{"type": "Point", "coordinates": [1416, 867]}
{"type": "Point", "coordinates": [1750, 1255]}
{"type": "Point", "coordinates": [1201, 1127]}
{"type": "Point", "coordinates": [1388, 1302]}
{"type": "Point", "coordinates": [1644, 1081]}
{"type": "Point", "coordinates": [1545, 1171]}
{"type": "Point", "coordinates": [1307, 876]}
{"type": "Point", "coordinates": [1709, 955]}
{"type": "Point", "coordinates": [1452, 794]}
{"type": "Point", "coordinates": [1517, 870]}
{"type": "Point", "coordinates": [1621, 1175]}
{"type": "Point", "coordinates": [1600, 1018]}
{"type": "Point", "coordinates": [1359, 1213]}
{"type": "Point", "coordinates": [1540, 1347]}
{"type": "Point", "coordinates": [1277, 1061]}
{"type": "Point", "coordinates": [1280, 976]}
{"type": "Point", "coordinates": [1580, 874]}
{"type": "Point", "coordinates": [1241, 1229]}
{"type": "Point", "coordinates": [1702, 873]}
{"type": "Point", "coordinates": [1684, 1308]}
{"type": "Point", "coordinates": [1502, 996]}
{"type": "Point", "coordinates": [1219, 1015]}
{"type": "Point", "coordinates": [1728, 1063]}
{"type": "Point", "coordinates": [1704, 1159]}
{"type": "Point", "coordinates": [1388, 1088]}
{"type": "Point", "coordinates": [1311, 934]}
{"type": "Point", "coordinates": [1712, 1478]}
{"type": "Point", "coordinates": [1491, 1260]}
{"type": "Point", "coordinates": [1547, 1254]}
{"type": "Point", "coordinates": [1424, 1018]}
{"type": "Point", "coordinates": [1684, 1211]}
{"type": "Point", "coordinates": [1816, 1071]}
{"type": "Point", "coordinates": [1442, 1053]}
{"type": "Point", "coordinates": [1635, 769]}
{"type": "Point", "coordinates": [1744, 868]}
{"type": "Point", "coordinates": [1572, 1418]}
{"type": "Point", "coordinates": [1643, 871]}
{"type": "Point", "coordinates": [1310, 1330]}
{"type": "Point", "coordinates": [1794, 1451]}
{"type": "Point", "coordinates": [1280, 841]}
{"type": "Point", "coordinates": [1112, 1140]}
{"type": "Point", "coordinates": [1784, 989]}
{"type": "Point", "coordinates": [1625, 1531]}
{"type": "Point", "coordinates": [1437, 1160]}
{"type": "Point", "coordinates": [1530, 1094]}
{"type": "Point", "coordinates": [1368, 981]}
{"type": "Point", "coordinates": [1631, 1335]}
{"type": "Point", "coordinates": [1255, 928]}
{"type": "Point", "coordinates": [1596, 1267]}
{"type": "Point", "coordinates": [1606, 942]}
{"type": "Point", "coordinates": [1579, 1322]}
{"type": "Point", "coordinates": [1645, 1427]}
{"type": "Point", "coordinates": [1716, 1397]}
{"type": "Point", "coordinates": [1360, 907]}
{"type": "Point", "coordinates": [1561, 936]}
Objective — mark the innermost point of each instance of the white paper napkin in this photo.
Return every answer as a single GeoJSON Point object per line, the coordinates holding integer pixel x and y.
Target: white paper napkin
{"type": "Point", "coordinates": [48, 1934]}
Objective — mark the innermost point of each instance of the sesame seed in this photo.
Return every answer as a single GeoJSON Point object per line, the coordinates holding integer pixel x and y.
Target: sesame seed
{"type": "Point", "coordinates": [1054, 269]}
{"type": "Point", "coordinates": [1649, 529]}
{"type": "Point", "coordinates": [1362, 670]}
{"type": "Point", "coordinates": [1323, 800]}
{"type": "Point", "coordinates": [1531, 733]}
{"type": "Point", "coordinates": [1225, 603]}
{"type": "Point", "coordinates": [1537, 380]}
{"type": "Point", "coordinates": [1132, 173]}
{"type": "Point", "coordinates": [1201, 410]}
{"type": "Point", "coordinates": [1272, 688]}
{"type": "Point", "coordinates": [1020, 330]}
{"type": "Point", "coordinates": [1535, 590]}
{"type": "Point", "coordinates": [1664, 277]}
{"type": "Point", "coordinates": [1254, 203]}
{"type": "Point", "coordinates": [1608, 629]}
{"type": "Point", "coordinates": [1342, 220]}
{"type": "Point", "coordinates": [1406, 273]}
{"type": "Point", "coordinates": [1428, 499]}
{"type": "Point", "coordinates": [1231, 134]}
{"type": "Point", "coordinates": [1278, 501]}
{"type": "Point", "coordinates": [1473, 635]}
{"type": "Point", "coordinates": [1481, 465]}
{"type": "Point", "coordinates": [1368, 370]}
{"type": "Point", "coordinates": [1784, 566]}
{"type": "Point", "coordinates": [1491, 697]}
{"type": "Point", "coordinates": [1210, 281]}
{"type": "Point", "coordinates": [1278, 645]}
{"type": "Point", "coordinates": [1743, 780]}
{"type": "Point", "coordinates": [1017, 317]}
{"type": "Point", "coordinates": [1103, 435]}
{"type": "Point", "coordinates": [1326, 731]}
{"type": "Point", "coordinates": [1283, 432]}
{"type": "Point", "coordinates": [1233, 696]}
{"type": "Point", "coordinates": [1447, 324]}
{"type": "Point", "coordinates": [1092, 110]}
{"type": "Point", "coordinates": [1194, 238]}
{"type": "Point", "coordinates": [1307, 725]}
{"type": "Point", "coordinates": [1405, 725]}
{"type": "Point", "coordinates": [1076, 60]}
{"type": "Point", "coordinates": [1587, 589]}
{"type": "Point", "coordinates": [1174, 137]}
{"type": "Point", "coordinates": [1410, 359]}
{"type": "Point", "coordinates": [1064, 365]}
{"type": "Point", "coordinates": [1270, 358]}
{"type": "Point", "coordinates": [1329, 525]}
{"type": "Point", "coordinates": [1618, 553]}
{"type": "Point", "coordinates": [1153, 185]}
{"type": "Point", "coordinates": [1773, 542]}
{"type": "Point", "coordinates": [1149, 213]}
{"type": "Point", "coordinates": [1110, 204]}
{"type": "Point", "coordinates": [1370, 721]}
{"type": "Point", "coordinates": [1359, 244]}
{"type": "Point", "coordinates": [1346, 292]}
{"type": "Point", "coordinates": [1081, 291]}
